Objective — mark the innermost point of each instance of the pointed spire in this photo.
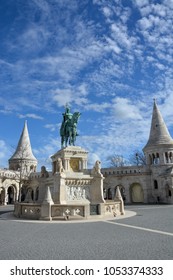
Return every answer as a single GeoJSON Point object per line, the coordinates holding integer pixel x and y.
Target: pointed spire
{"type": "Point", "coordinates": [24, 149]}
{"type": "Point", "coordinates": [159, 134]}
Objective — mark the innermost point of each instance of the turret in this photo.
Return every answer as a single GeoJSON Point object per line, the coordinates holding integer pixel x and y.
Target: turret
{"type": "Point", "coordinates": [159, 148]}
{"type": "Point", "coordinates": [23, 158]}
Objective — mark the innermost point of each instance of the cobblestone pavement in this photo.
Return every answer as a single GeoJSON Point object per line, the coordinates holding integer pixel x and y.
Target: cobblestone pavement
{"type": "Point", "coordinates": [147, 235]}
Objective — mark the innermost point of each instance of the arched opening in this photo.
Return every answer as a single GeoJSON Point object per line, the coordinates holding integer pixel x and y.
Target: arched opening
{"type": "Point", "coordinates": [136, 193]}
{"type": "Point", "coordinates": [155, 185]}
{"type": "Point", "coordinates": [29, 195]}
{"type": "Point", "coordinates": [122, 191]}
{"type": "Point", "coordinates": [166, 158]}
{"type": "Point", "coordinates": [109, 193]}
{"type": "Point", "coordinates": [23, 192]}
{"type": "Point", "coordinates": [153, 158]}
{"type": "Point", "coordinates": [157, 159]}
{"type": "Point", "coordinates": [168, 192]}
{"type": "Point", "coordinates": [32, 168]}
{"type": "Point", "coordinates": [37, 194]}
{"type": "Point", "coordinates": [150, 159]}
{"type": "Point", "coordinates": [105, 193]}
{"type": "Point", "coordinates": [2, 196]}
{"type": "Point", "coordinates": [11, 195]}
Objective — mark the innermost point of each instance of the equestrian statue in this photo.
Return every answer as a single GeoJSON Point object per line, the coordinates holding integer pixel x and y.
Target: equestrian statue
{"type": "Point", "coordinates": [68, 130]}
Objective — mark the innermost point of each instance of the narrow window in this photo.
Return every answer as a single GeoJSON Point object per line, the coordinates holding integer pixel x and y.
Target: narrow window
{"type": "Point", "coordinates": [155, 185]}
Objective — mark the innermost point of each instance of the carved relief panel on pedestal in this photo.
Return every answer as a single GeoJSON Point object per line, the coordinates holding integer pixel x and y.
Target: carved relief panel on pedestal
{"type": "Point", "coordinates": [77, 193]}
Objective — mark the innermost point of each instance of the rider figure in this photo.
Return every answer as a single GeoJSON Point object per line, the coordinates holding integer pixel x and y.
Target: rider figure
{"type": "Point", "coordinates": [67, 115]}
{"type": "Point", "coordinates": [68, 127]}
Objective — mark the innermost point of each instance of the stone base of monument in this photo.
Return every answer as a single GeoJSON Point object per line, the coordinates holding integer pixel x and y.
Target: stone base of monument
{"type": "Point", "coordinates": [64, 212]}
{"type": "Point", "coordinates": [71, 191]}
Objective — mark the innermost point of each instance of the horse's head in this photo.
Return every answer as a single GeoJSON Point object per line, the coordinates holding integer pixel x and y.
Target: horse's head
{"type": "Point", "coordinates": [76, 116]}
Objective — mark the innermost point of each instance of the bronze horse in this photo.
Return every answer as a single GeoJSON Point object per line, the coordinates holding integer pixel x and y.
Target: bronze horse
{"type": "Point", "coordinates": [68, 130]}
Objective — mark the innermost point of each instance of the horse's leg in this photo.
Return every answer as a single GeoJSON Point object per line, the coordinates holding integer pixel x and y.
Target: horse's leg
{"type": "Point", "coordinates": [66, 140]}
{"type": "Point", "coordinates": [62, 141]}
{"type": "Point", "coordinates": [70, 138]}
{"type": "Point", "coordinates": [74, 136]}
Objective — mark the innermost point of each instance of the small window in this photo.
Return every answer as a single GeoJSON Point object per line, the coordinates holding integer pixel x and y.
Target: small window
{"type": "Point", "coordinates": [155, 185]}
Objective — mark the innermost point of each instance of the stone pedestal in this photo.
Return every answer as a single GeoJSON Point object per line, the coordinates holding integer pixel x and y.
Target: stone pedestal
{"type": "Point", "coordinates": [96, 189]}
{"type": "Point", "coordinates": [74, 159]}
{"type": "Point", "coordinates": [59, 188]}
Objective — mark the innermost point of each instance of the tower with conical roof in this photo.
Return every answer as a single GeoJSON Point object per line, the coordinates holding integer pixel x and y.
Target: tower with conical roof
{"type": "Point", "coordinates": [23, 158]}
{"type": "Point", "coordinates": [159, 148]}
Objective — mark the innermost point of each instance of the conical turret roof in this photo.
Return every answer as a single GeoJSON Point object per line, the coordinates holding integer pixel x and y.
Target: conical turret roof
{"type": "Point", "coordinates": [24, 150]}
{"type": "Point", "coordinates": [159, 134]}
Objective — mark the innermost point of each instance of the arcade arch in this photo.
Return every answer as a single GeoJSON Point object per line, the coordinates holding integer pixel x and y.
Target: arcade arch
{"type": "Point", "coordinates": [2, 196]}
{"type": "Point", "coordinates": [109, 193]}
{"type": "Point", "coordinates": [136, 193]}
{"type": "Point", "coordinates": [169, 193]}
{"type": "Point", "coordinates": [11, 194]}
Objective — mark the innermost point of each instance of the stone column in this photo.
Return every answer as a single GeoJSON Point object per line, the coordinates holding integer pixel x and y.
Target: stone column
{"type": "Point", "coordinates": [66, 164]}
{"type": "Point", "coordinates": [5, 196]}
{"type": "Point", "coordinates": [84, 164]}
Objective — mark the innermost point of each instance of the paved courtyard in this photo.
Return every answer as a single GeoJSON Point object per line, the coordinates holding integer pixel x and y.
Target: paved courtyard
{"type": "Point", "coordinates": [146, 235]}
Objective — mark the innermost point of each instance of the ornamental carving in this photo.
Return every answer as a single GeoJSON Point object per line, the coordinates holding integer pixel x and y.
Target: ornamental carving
{"type": "Point", "coordinates": [77, 193]}
{"type": "Point", "coordinates": [77, 182]}
{"type": "Point", "coordinates": [31, 210]}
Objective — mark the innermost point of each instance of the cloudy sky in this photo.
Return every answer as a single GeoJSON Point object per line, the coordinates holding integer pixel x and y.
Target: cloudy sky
{"type": "Point", "coordinates": [107, 58]}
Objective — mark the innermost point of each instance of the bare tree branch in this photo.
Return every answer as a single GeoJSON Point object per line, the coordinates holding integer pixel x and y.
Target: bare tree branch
{"type": "Point", "coordinates": [117, 160]}
{"type": "Point", "coordinates": [137, 158]}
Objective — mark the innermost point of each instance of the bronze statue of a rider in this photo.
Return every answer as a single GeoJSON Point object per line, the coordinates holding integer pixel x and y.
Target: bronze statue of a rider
{"type": "Point", "coordinates": [68, 130]}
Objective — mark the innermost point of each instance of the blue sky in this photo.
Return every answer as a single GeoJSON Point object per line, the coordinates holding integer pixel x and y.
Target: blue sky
{"type": "Point", "coordinates": [107, 58]}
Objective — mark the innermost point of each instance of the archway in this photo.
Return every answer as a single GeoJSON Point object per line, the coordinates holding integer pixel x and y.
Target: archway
{"type": "Point", "coordinates": [29, 195]}
{"type": "Point", "coordinates": [2, 196]}
{"type": "Point", "coordinates": [122, 191]}
{"type": "Point", "coordinates": [136, 193]}
{"type": "Point", "coordinates": [37, 194]}
{"type": "Point", "coordinates": [169, 193]}
{"type": "Point", "coordinates": [110, 193]}
{"type": "Point", "coordinates": [11, 194]}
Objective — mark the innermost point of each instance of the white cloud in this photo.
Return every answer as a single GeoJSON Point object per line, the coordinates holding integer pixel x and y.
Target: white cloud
{"type": "Point", "coordinates": [141, 3]}
{"type": "Point", "coordinates": [102, 107]}
{"type": "Point", "coordinates": [107, 11]}
{"type": "Point", "coordinates": [123, 109]}
{"type": "Point", "coordinates": [33, 39]}
{"type": "Point", "coordinates": [32, 116]}
{"type": "Point", "coordinates": [145, 23]}
{"type": "Point", "coordinates": [52, 127]}
{"type": "Point", "coordinates": [77, 95]}
{"type": "Point", "coordinates": [4, 153]}
{"type": "Point", "coordinates": [121, 34]}
{"type": "Point", "coordinates": [112, 45]}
